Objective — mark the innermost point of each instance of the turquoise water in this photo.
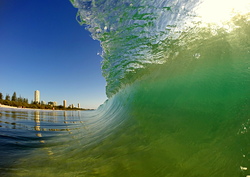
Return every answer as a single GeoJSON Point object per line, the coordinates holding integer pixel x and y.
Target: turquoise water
{"type": "Point", "coordinates": [179, 97]}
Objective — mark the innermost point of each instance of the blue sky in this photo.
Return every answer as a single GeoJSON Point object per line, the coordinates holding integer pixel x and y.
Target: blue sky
{"type": "Point", "coordinates": [42, 47]}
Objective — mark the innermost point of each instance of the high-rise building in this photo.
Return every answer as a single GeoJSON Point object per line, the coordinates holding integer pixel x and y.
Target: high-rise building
{"type": "Point", "coordinates": [78, 105]}
{"type": "Point", "coordinates": [37, 96]}
{"type": "Point", "coordinates": [64, 103]}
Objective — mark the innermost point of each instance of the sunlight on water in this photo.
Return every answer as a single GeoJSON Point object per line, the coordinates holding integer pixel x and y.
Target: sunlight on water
{"type": "Point", "coordinates": [219, 11]}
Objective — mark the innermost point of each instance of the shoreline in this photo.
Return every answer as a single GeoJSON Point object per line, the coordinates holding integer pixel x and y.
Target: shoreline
{"type": "Point", "coordinates": [6, 106]}
{"type": "Point", "coordinates": [13, 107]}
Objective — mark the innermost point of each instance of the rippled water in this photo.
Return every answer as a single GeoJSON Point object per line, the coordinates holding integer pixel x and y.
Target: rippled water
{"type": "Point", "coordinates": [22, 131]}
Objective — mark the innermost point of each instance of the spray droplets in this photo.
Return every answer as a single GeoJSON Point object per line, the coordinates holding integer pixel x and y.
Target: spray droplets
{"type": "Point", "coordinates": [197, 55]}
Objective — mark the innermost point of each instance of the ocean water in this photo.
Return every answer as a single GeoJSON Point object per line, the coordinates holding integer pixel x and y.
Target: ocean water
{"type": "Point", "coordinates": [178, 82]}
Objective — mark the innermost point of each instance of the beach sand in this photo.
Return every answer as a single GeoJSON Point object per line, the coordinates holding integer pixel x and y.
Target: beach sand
{"type": "Point", "coordinates": [5, 106]}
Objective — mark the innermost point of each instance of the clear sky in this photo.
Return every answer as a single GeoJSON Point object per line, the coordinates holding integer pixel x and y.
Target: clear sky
{"type": "Point", "coordinates": [43, 47]}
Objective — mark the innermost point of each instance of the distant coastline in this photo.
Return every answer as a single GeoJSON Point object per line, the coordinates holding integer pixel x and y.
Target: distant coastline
{"type": "Point", "coordinates": [14, 107]}
{"type": "Point", "coordinates": [20, 102]}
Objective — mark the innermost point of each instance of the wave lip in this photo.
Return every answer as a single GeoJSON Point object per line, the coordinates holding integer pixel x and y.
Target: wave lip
{"type": "Point", "coordinates": [137, 34]}
{"type": "Point", "coordinates": [129, 32]}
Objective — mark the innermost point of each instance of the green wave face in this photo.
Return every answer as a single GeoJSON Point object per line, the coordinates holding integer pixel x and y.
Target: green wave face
{"type": "Point", "coordinates": [184, 83]}
{"type": "Point", "coordinates": [179, 89]}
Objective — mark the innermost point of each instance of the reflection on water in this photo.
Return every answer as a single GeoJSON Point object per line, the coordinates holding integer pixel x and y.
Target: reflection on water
{"type": "Point", "coordinates": [39, 120]}
{"type": "Point", "coordinates": [47, 135]}
{"type": "Point", "coordinates": [22, 130]}
{"type": "Point", "coordinates": [37, 125]}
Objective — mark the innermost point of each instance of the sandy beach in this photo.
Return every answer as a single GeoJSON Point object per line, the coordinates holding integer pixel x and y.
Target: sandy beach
{"type": "Point", "coordinates": [13, 107]}
{"type": "Point", "coordinates": [5, 106]}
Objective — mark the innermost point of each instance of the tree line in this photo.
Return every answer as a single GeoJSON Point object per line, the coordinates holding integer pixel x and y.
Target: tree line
{"type": "Point", "coordinates": [14, 100]}
{"type": "Point", "coordinates": [24, 103]}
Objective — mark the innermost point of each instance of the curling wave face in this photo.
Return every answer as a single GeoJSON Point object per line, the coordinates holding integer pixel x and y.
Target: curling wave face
{"type": "Point", "coordinates": [181, 70]}
{"type": "Point", "coordinates": [135, 34]}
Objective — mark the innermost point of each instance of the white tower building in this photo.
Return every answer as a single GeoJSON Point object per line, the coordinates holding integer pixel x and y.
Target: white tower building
{"type": "Point", "coordinates": [64, 103]}
{"type": "Point", "coordinates": [37, 96]}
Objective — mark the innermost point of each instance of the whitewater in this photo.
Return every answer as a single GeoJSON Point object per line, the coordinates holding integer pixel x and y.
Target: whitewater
{"type": "Point", "coordinates": [178, 83]}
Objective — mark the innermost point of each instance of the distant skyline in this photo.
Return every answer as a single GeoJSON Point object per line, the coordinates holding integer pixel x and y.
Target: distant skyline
{"type": "Point", "coordinates": [43, 48]}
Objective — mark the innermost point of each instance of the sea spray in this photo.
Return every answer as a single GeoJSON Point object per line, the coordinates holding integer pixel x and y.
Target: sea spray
{"type": "Point", "coordinates": [135, 34]}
